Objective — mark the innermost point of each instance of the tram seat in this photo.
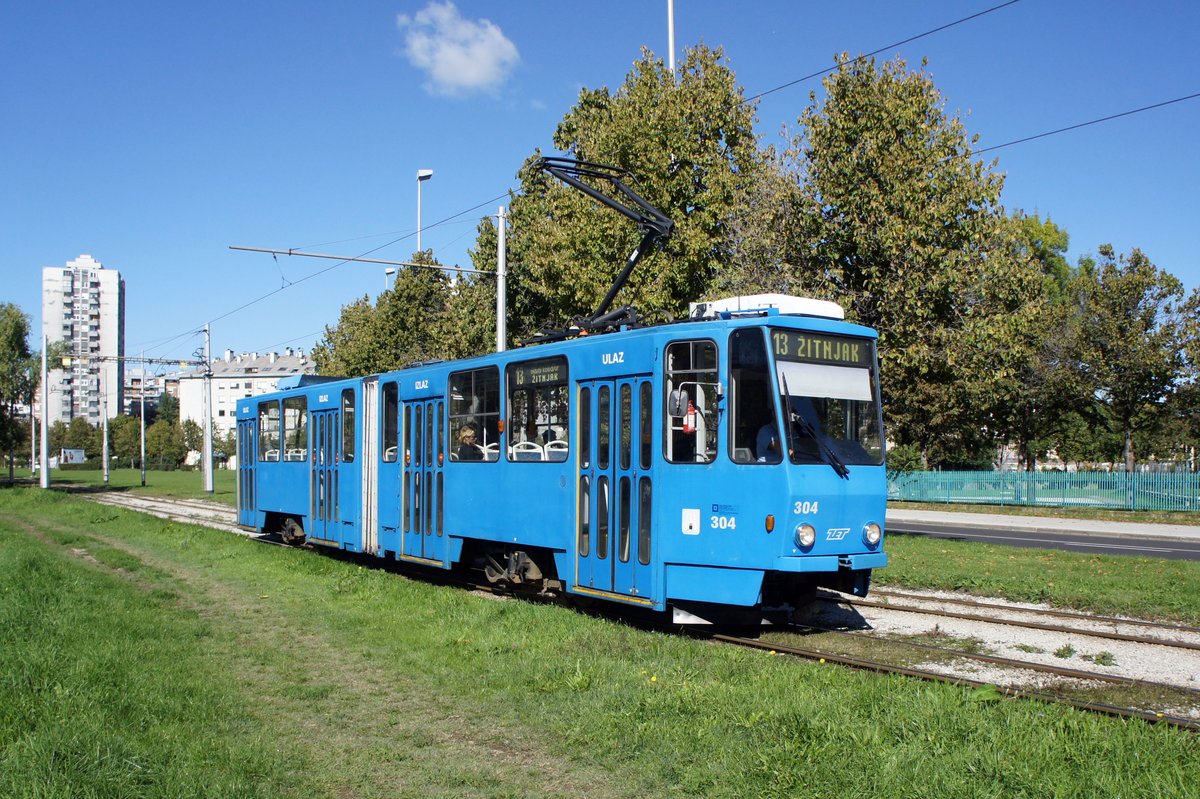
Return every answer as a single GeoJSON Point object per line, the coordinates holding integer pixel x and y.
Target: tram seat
{"type": "Point", "coordinates": [389, 454]}
{"type": "Point", "coordinates": [295, 455]}
{"type": "Point", "coordinates": [528, 451]}
{"type": "Point", "coordinates": [491, 452]}
{"type": "Point", "coordinates": [271, 455]}
{"type": "Point", "coordinates": [742, 455]}
{"type": "Point", "coordinates": [556, 450]}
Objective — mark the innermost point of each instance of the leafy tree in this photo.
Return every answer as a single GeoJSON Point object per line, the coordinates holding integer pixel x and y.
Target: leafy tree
{"type": "Point", "coordinates": [226, 444]}
{"type": "Point", "coordinates": [16, 376]}
{"type": "Point", "coordinates": [193, 435]}
{"type": "Point", "coordinates": [125, 438]}
{"type": "Point", "coordinates": [1135, 334]}
{"type": "Point", "coordinates": [349, 347]}
{"type": "Point", "coordinates": [57, 435]}
{"type": "Point", "coordinates": [899, 224]}
{"type": "Point", "coordinates": [167, 411]}
{"type": "Point", "coordinates": [1048, 381]}
{"type": "Point", "coordinates": [692, 152]}
{"type": "Point", "coordinates": [404, 327]}
{"type": "Point", "coordinates": [81, 435]}
{"type": "Point", "coordinates": [164, 443]}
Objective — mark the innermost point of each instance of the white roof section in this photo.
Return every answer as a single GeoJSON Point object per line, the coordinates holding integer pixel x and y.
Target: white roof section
{"type": "Point", "coordinates": [785, 303]}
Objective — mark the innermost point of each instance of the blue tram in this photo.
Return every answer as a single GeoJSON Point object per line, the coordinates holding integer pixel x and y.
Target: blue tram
{"type": "Point", "coordinates": [729, 464]}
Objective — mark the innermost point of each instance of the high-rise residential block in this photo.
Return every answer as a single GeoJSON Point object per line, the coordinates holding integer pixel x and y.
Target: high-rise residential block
{"type": "Point", "coordinates": [83, 305]}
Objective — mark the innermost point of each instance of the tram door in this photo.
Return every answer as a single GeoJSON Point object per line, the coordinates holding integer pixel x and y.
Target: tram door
{"type": "Point", "coordinates": [421, 514]}
{"type": "Point", "coordinates": [247, 452]}
{"type": "Point", "coordinates": [614, 488]}
{"type": "Point", "coordinates": [325, 446]}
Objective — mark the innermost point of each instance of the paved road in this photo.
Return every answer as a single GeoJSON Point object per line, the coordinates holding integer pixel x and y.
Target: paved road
{"type": "Point", "coordinates": [1176, 542]}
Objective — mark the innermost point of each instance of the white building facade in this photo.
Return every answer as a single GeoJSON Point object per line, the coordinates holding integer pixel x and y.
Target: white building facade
{"type": "Point", "coordinates": [236, 377]}
{"type": "Point", "coordinates": [83, 305]}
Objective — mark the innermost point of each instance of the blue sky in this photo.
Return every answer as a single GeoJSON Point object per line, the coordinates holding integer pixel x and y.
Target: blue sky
{"type": "Point", "coordinates": [154, 135]}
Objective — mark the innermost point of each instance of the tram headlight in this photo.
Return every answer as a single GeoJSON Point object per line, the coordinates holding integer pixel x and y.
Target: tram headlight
{"type": "Point", "coordinates": [872, 533]}
{"type": "Point", "coordinates": [806, 535]}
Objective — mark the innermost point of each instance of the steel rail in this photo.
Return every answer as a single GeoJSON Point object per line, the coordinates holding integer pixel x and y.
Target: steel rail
{"type": "Point", "coordinates": [1058, 614]}
{"type": "Point", "coordinates": [1059, 671]}
{"type": "Point", "coordinates": [930, 676]}
{"type": "Point", "coordinates": [1029, 625]}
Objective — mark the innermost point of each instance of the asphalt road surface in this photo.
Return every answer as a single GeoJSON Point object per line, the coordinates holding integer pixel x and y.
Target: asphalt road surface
{"type": "Point", "coordinates": [1171, 548]}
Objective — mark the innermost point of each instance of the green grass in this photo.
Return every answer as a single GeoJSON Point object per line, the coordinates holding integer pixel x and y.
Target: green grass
{"type": "Point", "coordinates": [1151, 588]}
{"type": "Point", "coordinates": [187, 484]}
{"type": "Point", "coordinates": [305, 675]}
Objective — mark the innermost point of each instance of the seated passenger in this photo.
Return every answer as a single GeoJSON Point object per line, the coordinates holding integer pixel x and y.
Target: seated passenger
{"type": "Point", "coordinates": [468, 450]}
{"type": "Point", "coordinates": [766, 445]}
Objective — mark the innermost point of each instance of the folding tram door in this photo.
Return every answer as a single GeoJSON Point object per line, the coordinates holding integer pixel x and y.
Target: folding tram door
{"type": "Point", "coordinates": [614, 487]}
{"type": "Point", "coordinates": [325, 456]}
{"type": "Point", "coordinates": [247, 453]}
{"type": "Point", "coordinates": [421, 514]}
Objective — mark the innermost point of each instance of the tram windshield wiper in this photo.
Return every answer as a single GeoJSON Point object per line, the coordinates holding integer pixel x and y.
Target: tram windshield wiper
{"type": "Point", "coordinates": [809, 429]}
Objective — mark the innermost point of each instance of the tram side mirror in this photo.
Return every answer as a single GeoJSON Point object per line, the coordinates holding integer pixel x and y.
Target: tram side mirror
{"type": "Point", "coordinates": [677, 402]}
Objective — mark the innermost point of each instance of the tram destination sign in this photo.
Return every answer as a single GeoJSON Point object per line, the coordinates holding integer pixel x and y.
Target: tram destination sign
{"type": "Point", "coordinates": [802, 346]}
{"type": "Point", "coordinates": [546, 372]}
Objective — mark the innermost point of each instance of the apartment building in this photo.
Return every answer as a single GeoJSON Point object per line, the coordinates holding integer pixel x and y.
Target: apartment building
{"type": "Point", "coordinates": [83, 305]}
{"type": "Point", "coordinates": [236, 377]}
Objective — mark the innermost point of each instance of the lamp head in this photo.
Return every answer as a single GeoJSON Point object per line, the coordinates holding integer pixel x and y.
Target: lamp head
{"type": "Point", "coordinates": [424, 174]}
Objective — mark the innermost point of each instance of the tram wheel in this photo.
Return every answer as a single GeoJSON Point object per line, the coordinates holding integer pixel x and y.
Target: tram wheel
{"type": "Point", "coordinates": [292, 533]}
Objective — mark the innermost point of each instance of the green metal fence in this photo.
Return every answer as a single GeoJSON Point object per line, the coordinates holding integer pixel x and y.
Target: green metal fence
{"type": "Point", "coordinates": [1136, 491]}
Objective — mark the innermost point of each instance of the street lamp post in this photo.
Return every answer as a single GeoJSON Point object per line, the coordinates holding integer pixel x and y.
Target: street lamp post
{"type": "Point", "coordinates": [422, 176]}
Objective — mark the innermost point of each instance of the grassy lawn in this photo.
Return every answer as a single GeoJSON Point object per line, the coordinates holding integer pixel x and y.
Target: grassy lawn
{"type": "Point", "coordinates": [169, 484]}
{"type": "Point", "coordinates": [140, 657]}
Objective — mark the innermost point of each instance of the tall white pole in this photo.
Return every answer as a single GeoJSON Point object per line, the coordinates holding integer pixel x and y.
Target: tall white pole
{"type": "Point", "coordinates": [501, 282]}
{"type": "Point", "coordinates": [208, 464]}
{"type": "Point", "coordinates": [104, 421]}
{"type": "Point", "coordinates": [33, 448]}
{"type": "Point", "coordinates": [422, 176]}
{"type": "Point", "coordinates": [671, 38]}
{"type": "Point", "coordinates": [143, 419]}
{"type": "Point", "coordinates": [45, 463]}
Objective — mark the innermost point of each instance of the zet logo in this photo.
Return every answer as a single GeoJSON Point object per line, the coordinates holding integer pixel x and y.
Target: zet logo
{"type": "Point", "coordinates": [836, 533]}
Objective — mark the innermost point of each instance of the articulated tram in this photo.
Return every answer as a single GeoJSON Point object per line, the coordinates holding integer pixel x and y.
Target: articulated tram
{"type": "Point", "coordinates": [714, 468]}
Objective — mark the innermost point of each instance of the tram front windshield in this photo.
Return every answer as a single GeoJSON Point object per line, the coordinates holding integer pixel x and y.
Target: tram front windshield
{"type": "Point", "coordinates": [830, 398]}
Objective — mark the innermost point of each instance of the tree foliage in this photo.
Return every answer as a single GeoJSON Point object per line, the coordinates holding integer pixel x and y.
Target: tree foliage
{"type": "Point", "coordinates": [899, 224]}
{"type": "Point", "coordinates": [424, 316]}
{"type": "Point", "coordinates": [692, 152]}
{"type": "Point", "coordinates": [1136, 333]}
{"type": "Point", "coordinates": [164, 443]}
{"type": "Point", "coordinates": [17, 374]}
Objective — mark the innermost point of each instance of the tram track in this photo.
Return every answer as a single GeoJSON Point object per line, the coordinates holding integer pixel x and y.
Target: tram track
{"type": "Point", "coordinates": [222, 517]}
{"type": "Point", "coordinates": [1013, 612]}
{"type": "Point", "coordinates": [880, 667]}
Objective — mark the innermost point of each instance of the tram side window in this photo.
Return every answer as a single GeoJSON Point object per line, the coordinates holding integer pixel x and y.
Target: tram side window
{"type": "Point", "coordinates": [474, 411]}
{"type": "Point", "coordinates": [753, 429]}
{"type": "Point", "coordinates": [348, 425]}
{"type": "Point", "coordinates": [538, 410]}
{"type": "Point", "coordinates": [268, 431]}
{"type": "Point", "coordinates": [295, 429]}
{"type": "Point", "coordinates": [390, 428]}
{"type": "Point", "coordinates": [691, 394]}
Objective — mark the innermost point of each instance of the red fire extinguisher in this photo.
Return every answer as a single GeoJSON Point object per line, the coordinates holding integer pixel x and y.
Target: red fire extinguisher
{"type": "Point", "coordinates": [689, 418]}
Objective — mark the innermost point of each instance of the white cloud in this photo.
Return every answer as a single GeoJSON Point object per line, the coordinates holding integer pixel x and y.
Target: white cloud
{"type": "Point", "coordinates": [460, 56]}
